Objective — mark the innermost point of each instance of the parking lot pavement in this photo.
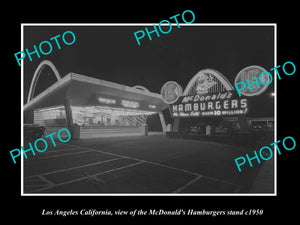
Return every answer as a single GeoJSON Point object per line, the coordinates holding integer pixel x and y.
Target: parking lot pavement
{"type": "Point", "coordinates": [137, 164]}
{"type": "Point", "coordinates": [264, 181]}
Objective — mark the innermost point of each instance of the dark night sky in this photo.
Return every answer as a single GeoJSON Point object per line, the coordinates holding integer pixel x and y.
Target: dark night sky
{"type": "Point", "coordinates": [112, 53]}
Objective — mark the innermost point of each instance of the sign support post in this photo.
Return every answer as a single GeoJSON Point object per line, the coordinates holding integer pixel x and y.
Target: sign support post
{"type": "Point", "coordinates": [175, 127]}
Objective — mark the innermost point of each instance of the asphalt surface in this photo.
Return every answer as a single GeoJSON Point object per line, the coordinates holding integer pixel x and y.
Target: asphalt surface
{"type": "Point", "coordinates": [141, 165]}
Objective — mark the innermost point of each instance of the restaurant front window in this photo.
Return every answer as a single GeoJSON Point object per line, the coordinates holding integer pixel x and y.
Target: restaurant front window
{"type": "Point", "coordinates": [107, 116]}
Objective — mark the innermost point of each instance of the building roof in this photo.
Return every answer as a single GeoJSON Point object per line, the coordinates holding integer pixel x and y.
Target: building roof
{"type": "Point", "coordinates": [84, 91]}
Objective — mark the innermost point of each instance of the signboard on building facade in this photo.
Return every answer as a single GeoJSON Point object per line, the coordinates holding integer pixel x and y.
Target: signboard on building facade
{"type": "Point", "coordinates": [119, 102]}
{"type": "Point", "coordinates": [226, 103]}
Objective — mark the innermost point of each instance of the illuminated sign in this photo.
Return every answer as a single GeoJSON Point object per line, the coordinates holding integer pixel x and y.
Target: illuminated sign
{"type": "Point", "coordinates": [130, 104]}
{"type": "Point", "coordinates": [217, 104]}
{"type": "Point", "coordinates": [107, 101]}
{"type": "Point", "coordinates": [152, 106]}
{"type": "Point", "coordinates": [250, 74]}
{"type": "Point", "coordinates": [170, 92]}
{"type": "Point", "coordinates": [203, 83]}
{"type": "Point", "coordinates": [118, 102]}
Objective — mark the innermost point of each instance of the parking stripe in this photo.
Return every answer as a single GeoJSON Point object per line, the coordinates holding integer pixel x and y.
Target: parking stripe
{"type": "Point", "coordinates": [60, 150]}
{"type": "Point", "coordinates": [187, 184]}
{"type": "Point", "coordinates": [46, 180]}
{"type": "Point", "coordinates": [55, 156]}
{"type": "Point", "coordinates": [72, 168]}
{"type": "Point", "coordinates": [86, 177]}
{"type": "Point", "coordinates": [140, 161]}
{"type": "Point", "coordinates": [158, 164]}
{"type": "Point", "coordinates": [128, 157]}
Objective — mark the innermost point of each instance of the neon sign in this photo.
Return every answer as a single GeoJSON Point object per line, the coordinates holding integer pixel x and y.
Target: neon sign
{"type": "Point", "coordinates": [107, 101]}
{"type": "Point", "coordinates": [130, 104]}
{"type": "Point", "coordinates": [152, 106]}
{"type": "Point", "coordinates": [219, 104]}
{"type": "Point", "coordinates": [170, 92]}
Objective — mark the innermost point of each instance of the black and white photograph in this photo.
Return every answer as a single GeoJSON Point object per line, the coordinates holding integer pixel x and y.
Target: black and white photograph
{"type": "Point", "coordinates": [183, 115]}
{"type": "Point", "coordinates": [162, 117]}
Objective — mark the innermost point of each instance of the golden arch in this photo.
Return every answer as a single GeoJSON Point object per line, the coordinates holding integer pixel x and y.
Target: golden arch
{"type": "Point", "coordinates": [37, 74]}
{"type": "Point", "coordinates": [225, 82]}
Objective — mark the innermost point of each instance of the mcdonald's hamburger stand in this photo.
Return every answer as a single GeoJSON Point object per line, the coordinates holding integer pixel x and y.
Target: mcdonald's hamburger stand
{"type": "Point", "coordinates": [90, 107]}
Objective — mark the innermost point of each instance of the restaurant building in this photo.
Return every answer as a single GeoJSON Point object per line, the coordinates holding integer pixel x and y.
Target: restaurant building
{"type": "Point", "coordinates": [91, 106]}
